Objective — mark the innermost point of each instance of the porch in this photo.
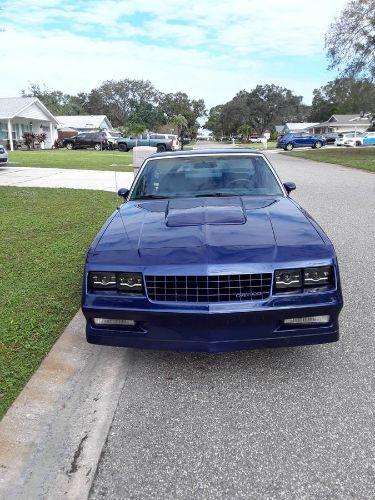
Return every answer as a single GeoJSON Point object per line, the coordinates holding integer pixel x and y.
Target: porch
{"type": "Point", "coordinates": [12, 130]}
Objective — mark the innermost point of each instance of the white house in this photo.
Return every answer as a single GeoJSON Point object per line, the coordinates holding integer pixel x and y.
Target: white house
{"type": "Point", "coordinates": [204, 134]}
{"type": "Point", "coordinates": [25, 114]}
{"type": "Point", "coordinates": [84, 123]}
{"type": "Point", "coordinates": [293, 127]}
{"type": "Point", "coordinates": [342, 123]}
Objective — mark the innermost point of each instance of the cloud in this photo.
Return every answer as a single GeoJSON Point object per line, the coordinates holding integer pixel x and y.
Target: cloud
{"type": "Point", "coordinates": [209, 49]}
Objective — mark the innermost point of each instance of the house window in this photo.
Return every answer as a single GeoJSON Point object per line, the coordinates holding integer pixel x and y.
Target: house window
{"type": "Point", "coordinates": [3, 131]}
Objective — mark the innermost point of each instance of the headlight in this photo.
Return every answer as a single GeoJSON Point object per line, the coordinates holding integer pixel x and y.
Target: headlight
{"type": "Point", "coordinates": [125, 282]}
{"type": "Point", "coordinates": [288, 278]}
{"type": "Point", "coordinates": [313, 276]}
{"type": "Point", "coordinates": [2, 150]}
{"type": "Point", "coordinates": [130, 282]}
{"type": "Point", "coordinates": [106, 281]}
{"type": "Point", "coordinates": [292, 279]}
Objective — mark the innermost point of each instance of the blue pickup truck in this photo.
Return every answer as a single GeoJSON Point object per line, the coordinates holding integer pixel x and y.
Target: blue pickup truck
{"type": "Point", "coordinates": [302, 139]}
{"type": "Point", "coordinates": [163, 142]}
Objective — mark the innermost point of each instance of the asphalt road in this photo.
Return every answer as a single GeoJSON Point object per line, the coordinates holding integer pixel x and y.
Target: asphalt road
{"type": "Point", "coordinates": [293, 423]}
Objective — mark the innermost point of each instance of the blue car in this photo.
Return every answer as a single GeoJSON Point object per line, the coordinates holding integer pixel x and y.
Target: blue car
{"type": "Point", "coordinates": [369, 139]}
{"type": "Point", "coordinates": [209, 253]}
{"type": "Point", "coordinates": [299, 140]}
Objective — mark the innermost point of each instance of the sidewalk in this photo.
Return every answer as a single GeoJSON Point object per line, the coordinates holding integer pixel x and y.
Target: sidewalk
{"type": "Point", "coordinates": [52, 436]}
{"type": "Point", "coordinates": [65, 178]}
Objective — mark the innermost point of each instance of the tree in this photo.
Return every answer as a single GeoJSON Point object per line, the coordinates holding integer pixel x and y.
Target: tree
{"type": "Point", "coordinates": [147, 114]}
{"type": "Point", "coordinates": [350, 41]}
{"type": "Point", "coordinates": [172, 105]}
{"type": "Point", "coordinates": [181, 124]}
{"type": "Point", "coordinates": [56, 101]}
{"type": "Point", "coordinates": [271, 104]}
{"type": "Point", "coordinates": [234, 114]}
{"type": "Point", "coordinates": [245, 131]}
{"type": "Point", "coordinates": [261, 109]}
{"type": "Point", "coordinates": [133, 128]}
{"type": "Point", "coordinates": [119, 99]}
{"type": "Point", "coordinates": [344, 95]}
{"type": "Point", "coordinates": [214, 121]}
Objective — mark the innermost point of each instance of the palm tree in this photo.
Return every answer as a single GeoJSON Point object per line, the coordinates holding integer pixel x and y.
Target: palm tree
{"type": "Point", "coordinates": [181, 123]}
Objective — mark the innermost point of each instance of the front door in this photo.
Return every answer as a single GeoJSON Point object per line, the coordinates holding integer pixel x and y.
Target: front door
{"type": "Point", "coordinates": [307, 139]}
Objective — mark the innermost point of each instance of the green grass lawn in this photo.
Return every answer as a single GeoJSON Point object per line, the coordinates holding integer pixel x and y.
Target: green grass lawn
{"type": "Point", "coordinates": [349, 157]}
{"type": "Point", "coordinates": [44, 236]}
{"type": "Point", "coordinates": [80, 158]}
{"type": "Point", "coordinates": [270, 145]}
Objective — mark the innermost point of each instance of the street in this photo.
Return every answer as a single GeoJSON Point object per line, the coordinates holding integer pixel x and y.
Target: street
{"type": "Point", "coordinates": [276, 423]}
{"type": "Point", "coordinates": [281, 423]}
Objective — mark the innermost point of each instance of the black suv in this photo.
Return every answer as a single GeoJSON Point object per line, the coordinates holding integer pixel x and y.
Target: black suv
{"type": "Point", "coordinates": [96, 140]}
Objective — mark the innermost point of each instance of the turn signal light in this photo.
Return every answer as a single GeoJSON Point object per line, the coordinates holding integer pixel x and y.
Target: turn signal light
{"type": "Point", "coordinates": [307, 320]}
{"type": "Point", "coordinates": [113, 322]}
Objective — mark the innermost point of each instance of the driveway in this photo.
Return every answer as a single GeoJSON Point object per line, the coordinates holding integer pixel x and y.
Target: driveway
{"type": "Point", "coordinates": [276, 423]}
{"type": "Point", "coordinates": [64, 178]}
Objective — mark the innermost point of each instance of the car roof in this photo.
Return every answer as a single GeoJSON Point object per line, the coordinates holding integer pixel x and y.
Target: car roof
{"type": "Point", "coordinates": [208, 152]}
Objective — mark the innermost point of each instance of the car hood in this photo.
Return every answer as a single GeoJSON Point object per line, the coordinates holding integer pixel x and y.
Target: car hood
{"type": "Point", "coordinates": [209, 230]}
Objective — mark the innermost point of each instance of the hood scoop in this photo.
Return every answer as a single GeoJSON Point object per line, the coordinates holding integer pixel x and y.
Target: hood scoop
{"type": "Point", "coordinates": [197, 212]}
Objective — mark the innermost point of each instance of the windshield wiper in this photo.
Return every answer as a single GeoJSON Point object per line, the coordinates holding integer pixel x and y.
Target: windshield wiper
{"type": "Point", "coordinates": [152, 197]}
{"type": "Point", "coordinates": [208, 195]}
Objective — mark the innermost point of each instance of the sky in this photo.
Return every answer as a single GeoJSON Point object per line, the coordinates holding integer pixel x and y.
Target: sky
{"type": "Point", "coordinates": [208, 49]}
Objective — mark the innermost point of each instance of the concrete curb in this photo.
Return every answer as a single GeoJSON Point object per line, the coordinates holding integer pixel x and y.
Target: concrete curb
{"type": "Point", "coordinates": [52, 436]}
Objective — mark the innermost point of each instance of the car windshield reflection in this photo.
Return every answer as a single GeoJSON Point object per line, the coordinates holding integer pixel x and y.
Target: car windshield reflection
{"type": "Point", "coordinates": [208, 176]}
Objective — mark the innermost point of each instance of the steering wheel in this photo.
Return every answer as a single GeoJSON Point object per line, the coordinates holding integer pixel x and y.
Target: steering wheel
{"type": "Point", "coordinates": [237, 181]}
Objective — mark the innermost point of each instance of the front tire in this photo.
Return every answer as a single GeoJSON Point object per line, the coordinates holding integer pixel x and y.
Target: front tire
{"type": "Point", "coordinates": [123, 147]}
{"type": "Point", "coordinates": [317, 145]}
{"type": "Point", "coordinates": [161, 148]}
{"type": "Point", "coordinates": [289, 147]}
{"type": "Point", "coordinates": [97, 147]}
{"type": "Point", "coordinates": [358, 143]}
{"type": "Point", "coordinates": [69, 146]}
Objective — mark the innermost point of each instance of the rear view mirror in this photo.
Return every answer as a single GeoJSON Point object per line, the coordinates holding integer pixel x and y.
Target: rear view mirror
{"type": "Point", "coordinates": [123, 192]}
{"type": "Point", "coordinates": [289, 186]}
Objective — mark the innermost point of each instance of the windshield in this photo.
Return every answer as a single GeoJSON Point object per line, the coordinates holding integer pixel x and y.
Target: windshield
{"type": "Point", "coordinates": [206, 176]}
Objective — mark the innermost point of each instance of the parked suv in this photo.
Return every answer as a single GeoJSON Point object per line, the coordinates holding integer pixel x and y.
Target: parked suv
{"type": "Point", "coordinates": [96, 140]}
{"type": "Point", "coordinates": [3, 155]}
{"type": "Point", "coordinates": [299, 140]}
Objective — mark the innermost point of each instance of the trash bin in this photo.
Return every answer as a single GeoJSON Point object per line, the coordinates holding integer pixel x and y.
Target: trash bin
{"type": "Point", "coordinates": [140, 153]}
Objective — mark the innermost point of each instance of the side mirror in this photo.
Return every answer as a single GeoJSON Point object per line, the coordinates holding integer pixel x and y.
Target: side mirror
{"type": "Point", "coordinates": [123, 192]}
{"type": "Point", "coordinates": [289, 186]}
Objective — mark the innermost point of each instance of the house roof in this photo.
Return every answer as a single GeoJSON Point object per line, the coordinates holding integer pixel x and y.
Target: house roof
{"type": "Point", "coordinates": [349, 120]}
{"type": "Point", "coordinates": [299, 125]}
{"type": "Point", "coordinates": [82, 121]}
{"type": "Point", "coordinates": [11, 107]}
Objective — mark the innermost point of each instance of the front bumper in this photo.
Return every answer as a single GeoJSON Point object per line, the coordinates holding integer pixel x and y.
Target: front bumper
{"type": "Point", "coordinates": [216, 329]}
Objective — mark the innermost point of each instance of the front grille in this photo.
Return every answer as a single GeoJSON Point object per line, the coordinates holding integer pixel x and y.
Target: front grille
{"type": "Point", "coordinates": [222, 288]}
{"type": "Point", "coordinates": [3, 160]}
